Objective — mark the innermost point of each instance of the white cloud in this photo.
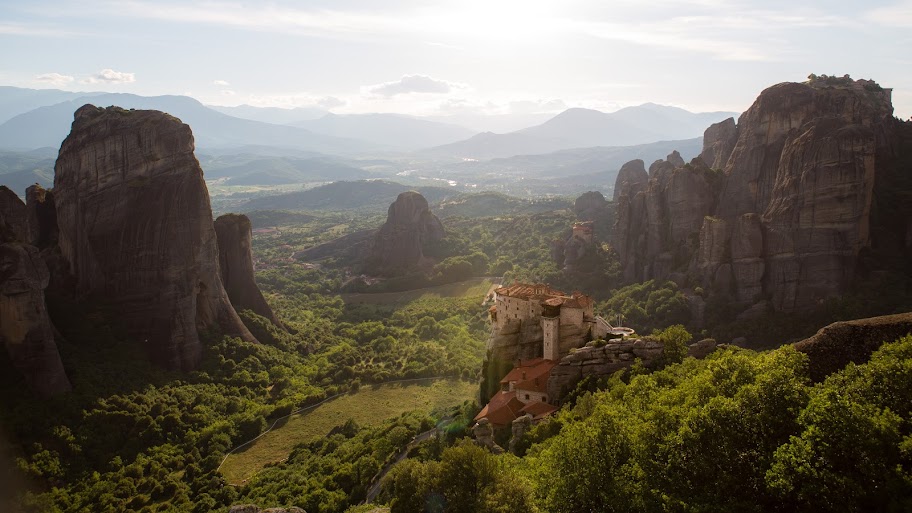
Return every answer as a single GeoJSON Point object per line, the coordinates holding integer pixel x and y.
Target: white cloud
{"type": "Point", "coordinates": [54, 78]}
{"type": "Point", "coordinates": [896, 15]}
{"type": "Point", "coordinates": [223, 83]}
{"type": "Point", "coordinates": [228, 92]}
{"type": "Point", "coordinates": [412, 84]}
{"type": "Point", "coordinates": [330, 102]}
{"type": "Point", "coordinates": [109, 76]}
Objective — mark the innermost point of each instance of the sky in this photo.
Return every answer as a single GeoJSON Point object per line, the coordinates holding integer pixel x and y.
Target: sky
{"type": "Point", "coordinates": [455, 57]}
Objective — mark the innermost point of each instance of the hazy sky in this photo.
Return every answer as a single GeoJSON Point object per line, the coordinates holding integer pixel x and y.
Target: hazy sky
{"type": "Point", "coordinates": [492, 56]}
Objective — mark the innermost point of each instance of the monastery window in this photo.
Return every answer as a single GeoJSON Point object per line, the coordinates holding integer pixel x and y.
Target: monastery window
{"type": "Point", "coordinates": [544, 399]}
{"type": "Point", "coordinates": [527, 397]}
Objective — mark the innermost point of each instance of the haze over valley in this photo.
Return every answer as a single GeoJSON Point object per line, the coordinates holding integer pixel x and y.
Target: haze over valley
{"type": "Point", "coordinates": [444, 257]}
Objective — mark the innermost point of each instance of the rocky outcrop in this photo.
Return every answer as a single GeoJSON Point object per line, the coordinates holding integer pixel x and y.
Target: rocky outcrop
{"type": "Point", "coordinates": [632, 178]}
{"type": "Point", "coordinates": [398, 244]}
{"type": "Point", "coordinates": [252, 508]}
{"type": "Point", "coordinates": [236, 264]}
{"type": "Point", "coordinates": [519, 427]}
{"type": "Point", "coordinates": [600, 361]}
{"type": "Point", "coordinates": [590, 206]}
{"type": "Point", "coordinates": [483, 432]}
{"type": "Point", "coordinates": [42, 216]}
{"type": "Point", "coordinates": [136, 229]}
{"type": "Point", "coordinates": [660, 226]}
{"type": "Point", "coordinates": [25, 327]}
{"type": "Point", "coordinates": [13, 217]}
{"type": "Point", "coordinates": [718, 142]}
{"type": "Point", "coordinates": [802, 174]}
{"type": "Point", "coordinates": [840, 343]}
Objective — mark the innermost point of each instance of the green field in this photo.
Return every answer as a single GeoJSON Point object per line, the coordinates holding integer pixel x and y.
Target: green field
{"type": "Point", "coordinates": [475, 287]}
{"type": "Point", "coordinates": [371, 405]}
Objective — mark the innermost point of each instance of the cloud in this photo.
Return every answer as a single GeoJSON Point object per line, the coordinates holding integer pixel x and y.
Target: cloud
{"type": "Point", "coordinates": [896, 15]}
{"type": "Point", "coordinates": [223, 83]}
{"type": "Point", "coordinates": [228, 92]}
{"type": "Point", "coordinates": [330, 102]}
{"type": "Point", "coordinates": [290, 101]}
{"type": "Point", "coordinates": [109, 76]}
{"type": "Point", "coordinates": [54, 78]}
{"type": "Point", "coordinates": [413, 84]}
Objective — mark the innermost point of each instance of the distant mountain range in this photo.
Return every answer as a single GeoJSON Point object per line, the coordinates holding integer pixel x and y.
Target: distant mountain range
{"type": "Point", "coordinates": [49, 125]}
{"type": "Point", "coordinates": [392, 130]}
{"type": "Point", "coordinates": [583, 128]}
{"type": "Point", "coordinates": [363, 194]}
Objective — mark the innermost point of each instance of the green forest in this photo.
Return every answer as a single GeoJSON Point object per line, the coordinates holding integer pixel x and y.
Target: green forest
{"type": "Point", "coordinates": [739, 431]}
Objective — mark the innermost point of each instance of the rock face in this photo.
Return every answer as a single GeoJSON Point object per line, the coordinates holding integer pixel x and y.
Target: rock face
{"type": "Point", "coordinates": [590, 206]}
{"type": "Point", "coordinates": [718, 142]}
{"type": "Point", "coordinates": [834, 346]}
{"type": "Point", "coordinates": [631, 179]}
{"type": "Point", "coordinates": [398, 244]}
{"type": "Point", "coordinates": [236, 264]}
{"type": "Point", "coordinates": [600, 361]}
{"type": "Point", "coordinates": [25, 328]}
{"type": "Point", "coordinates": [13, 217]}
{"type": "Point", "coordinates": [136, 229]}
{"type": "Point", "coordinates": [793, 207]}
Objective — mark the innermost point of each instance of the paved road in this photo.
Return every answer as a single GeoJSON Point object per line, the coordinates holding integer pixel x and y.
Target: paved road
{"type": "Point", "coordinates": [375, 488]}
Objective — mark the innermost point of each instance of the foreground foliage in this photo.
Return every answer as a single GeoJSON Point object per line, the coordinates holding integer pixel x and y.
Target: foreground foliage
{"type": "Point", "coordinates": [739, 431]}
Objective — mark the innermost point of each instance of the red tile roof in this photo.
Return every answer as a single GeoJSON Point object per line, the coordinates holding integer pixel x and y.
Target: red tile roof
{"type": "Point", "coordinates": [538, 410]}
{"type": "Point", "coordinates": [529, 370]}
{"type": "Point", "coordinates": [528, 291]}
{"type": "Point", "coordinates": [501, 410]}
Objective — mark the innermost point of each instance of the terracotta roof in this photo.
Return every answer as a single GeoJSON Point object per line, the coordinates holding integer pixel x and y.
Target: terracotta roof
{"type": "Point", "coordinates": [538, 410]}
{"type": "Point", "coordinates": [549, 296]}
{"type": "Point", "coordinates": [529, 370]}
{"type": "Point", "coordinates": [528, 291]}
{"type": "Point", "coordinates": [493, 309]}
{"type": "Point", "coordinates": [502, 409]}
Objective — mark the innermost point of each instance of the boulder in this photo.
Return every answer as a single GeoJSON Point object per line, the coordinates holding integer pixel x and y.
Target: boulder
{"type": "Point", "coordinates": [398, 244]}
{"type": "Point", "coordinates": [519, 427]}
{"type": "Point", "coordinates": [236, 265]}
{"type": "Point", "coordinates": [702, 349]}
{"type": "Point", "coordinates": [136, 229]}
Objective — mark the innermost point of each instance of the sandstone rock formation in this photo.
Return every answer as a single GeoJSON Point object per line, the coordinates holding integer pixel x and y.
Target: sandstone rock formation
{"type": "Point", "coordinates": [519, 427]}
{"type": "Point", "coordinates": [13, 217]}
{"type": "Point", "coordinates": [631, 179]}
{"type": "Point", "coordinates": [792, 209]}
{"type": "Point", "coordinates": [252, 508]}
{"type": "Point", "coordinates": [484, 436]}
{"type": "Point", "coordinates": [834, 346]}
{"type": "Point", "coordinates": [136, 229]}
{"type": "Point", "coordinates": [42, 216]}
{"type": "Point", "coordinates": [600, 361]}
{"type": "Point", "coordinates": [590, 206]}
{"type": "Point", "coordinates": [25, 328]}
{"type": "Point", "coordinates": [398, 244]}
{"type": "Point", "coordinates": [236, 264]}
{"type": "Point", "coordinates": [718, 142]}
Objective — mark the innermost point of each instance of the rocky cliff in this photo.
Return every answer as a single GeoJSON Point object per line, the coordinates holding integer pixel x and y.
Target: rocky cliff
{"type": "Point", "coordinates": [236, 264]}
{"type": "Point", "coordinates": [790, 208]}
{"type": "Point", "coordinates": [136, 229]}
{"type": "Point", "coordinates": [836, 345]}
{"type": "Point", "coordinates": [398, 244]}
{"type": "Point", "coordinates": [25, 328]}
